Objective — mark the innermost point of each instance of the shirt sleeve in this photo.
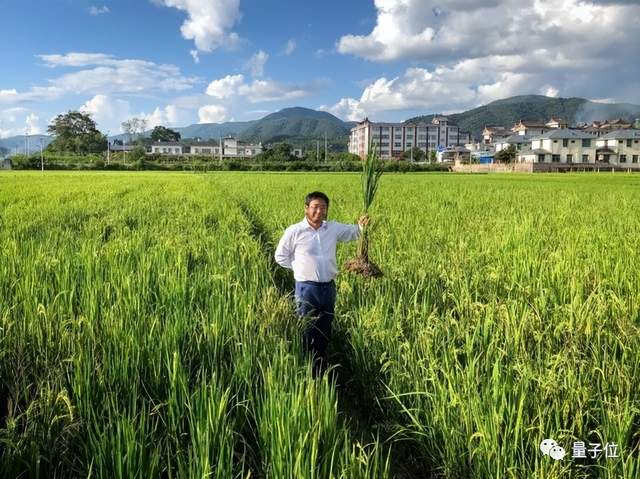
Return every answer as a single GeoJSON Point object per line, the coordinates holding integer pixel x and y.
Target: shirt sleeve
{"type": "Point", "coordinates": [284, 251]}
{"type": "Point", "coordinates": [348, 232]}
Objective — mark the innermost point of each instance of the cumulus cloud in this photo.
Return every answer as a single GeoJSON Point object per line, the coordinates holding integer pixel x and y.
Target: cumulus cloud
{"type": "Point", "coordinates": [195, 55]}
{"type": "Point", "coordinates": [225, 87]}
{"type": "Point", "coordinates": [107, 112]}
{"type": "Point", "coordinates": [208, 22]}
{"type": "Point", "coordinates": [99, 73]}
{"type": "Point", "coordinates": [212, 114]}
{"type": "Point", "coordinates": [269, 90]}
{"type": "Point", "coordinates": [256, 63]}
{"type": "Point", "coordinates": [18, 121]}
{"type": "Point", "coordinates": [256, 91]}
{"type": "Point", "coordinates": [95, 10]}
{"type": "Point", "coordinates": [467, 84]}
{"type": "Point", "coordinates": [560, 46]}
{"type": "Point", "coordinates": [457, 29]}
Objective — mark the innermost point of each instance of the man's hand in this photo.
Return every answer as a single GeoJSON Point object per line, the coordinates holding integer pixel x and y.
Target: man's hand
{"type": "Point", "coordinates": [363, 221]}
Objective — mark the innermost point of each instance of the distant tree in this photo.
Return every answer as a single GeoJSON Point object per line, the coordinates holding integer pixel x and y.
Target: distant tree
{"type": "Point", "coordinates": [138, 153]}
{"type": "Point", "coordinates": [278, 152]}
{"type": "Point", "coordinates": [134, 128]}
{"type": "Point", "coordinates": [418, 154]}
{"type": "Point", "coordinates": [76, 132]}
{"type": "Point", "coordinates": [506, 155]}
{"type": "Point", "coordinates": [344, 156]}
{"type": "Point", "coordinates": [161, 133]}
{"type": "Point", "coordinates": [433, 156]}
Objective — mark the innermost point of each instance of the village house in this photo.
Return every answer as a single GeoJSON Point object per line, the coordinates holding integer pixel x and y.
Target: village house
{"type": "Point", "coordinates": [619, 147]}
{"type": "Point", "coordinates": [530, 128]}
{"type": "Point", "coordinates": [560, 146]}
{"type": "Point", "coordinates": [493, 134]}
{"type": "Point", "coordinates": [166, 148]}
{"type": "Point", "coordinates": [519, 141]}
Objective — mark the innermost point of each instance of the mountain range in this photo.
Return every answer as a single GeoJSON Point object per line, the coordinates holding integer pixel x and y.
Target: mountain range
{"type": "Point", "coordinates": [304, 126]}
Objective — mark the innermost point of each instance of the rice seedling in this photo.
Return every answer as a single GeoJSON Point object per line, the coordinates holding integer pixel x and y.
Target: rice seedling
{"type": "Point", "coordinates": [371, 173]}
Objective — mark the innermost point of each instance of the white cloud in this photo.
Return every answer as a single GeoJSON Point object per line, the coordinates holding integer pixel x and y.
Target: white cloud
{"type": "Point", "coordinates": [290, 47]}
{"type": "Point", "coordinates": [102, 74]}
{"type": "Point", "coordinates": [225, 87]}
{"type": "Point", "coordinates": [256, 63]}
{"type": "Point", "coordinates": [107, 112]}
{"type": "Point", "coordinates": [467, 84]}
{"type": "Point", "coordinates": [196, 57]}
{"type": "Point", "coordinates": [268, 90]}
{"type": "Point", "coordinates": [564, 46]}
{"type": "Point", "coordinates": [33, 124]}
{"type": "Point", "coordinates": [18, 121]}
{"type": "Point", "coordinates": [212, 114]}
{"type": "Point", "coordinates": [209, 21]}
{"type": "Point", "coordinates": [255, 92]}
{"type": "Point", "coordinates": [95, 10]}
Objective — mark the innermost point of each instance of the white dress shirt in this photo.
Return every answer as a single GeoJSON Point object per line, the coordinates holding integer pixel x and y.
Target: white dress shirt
{"type": "Point", "coordinates": [311, 253]}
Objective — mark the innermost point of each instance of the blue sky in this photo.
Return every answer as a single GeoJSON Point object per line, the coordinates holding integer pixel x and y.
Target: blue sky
{"type": "Point", "coordinates": [178, 62]}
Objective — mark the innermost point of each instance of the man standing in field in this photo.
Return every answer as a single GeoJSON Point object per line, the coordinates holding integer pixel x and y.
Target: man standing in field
{"type": "Point", "coordinates": [309, 249]}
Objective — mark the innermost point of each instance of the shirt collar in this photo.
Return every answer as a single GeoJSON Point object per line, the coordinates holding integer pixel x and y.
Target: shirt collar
{"type": "Point", "coordinates": [306, 224]}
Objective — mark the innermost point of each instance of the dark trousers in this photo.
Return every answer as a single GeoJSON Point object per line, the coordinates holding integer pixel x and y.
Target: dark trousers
{"type": "Point", "coordinates": [316, 303]}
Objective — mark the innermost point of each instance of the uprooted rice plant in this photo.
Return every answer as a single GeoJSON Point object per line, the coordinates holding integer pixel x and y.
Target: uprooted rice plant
{"type": "Point", "coordinates": [145, 332]}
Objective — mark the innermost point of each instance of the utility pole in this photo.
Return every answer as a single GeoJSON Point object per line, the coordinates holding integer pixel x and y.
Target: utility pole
{"type": "Point", "coordinates": [41, 157]}
{"type": "Point", "coordinates": [325, 147]}
{"type": "Point", "coordinates": [318, 151]}
{"type": "Point", "coordinates": [108, 148]}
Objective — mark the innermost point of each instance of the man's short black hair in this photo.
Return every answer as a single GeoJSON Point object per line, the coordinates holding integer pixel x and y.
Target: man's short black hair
{"type": "Point", "coordinates": [316, 195]}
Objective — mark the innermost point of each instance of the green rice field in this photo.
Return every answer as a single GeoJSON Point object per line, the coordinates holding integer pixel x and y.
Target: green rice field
{"type": "Point", "coordinates": [146, 331]}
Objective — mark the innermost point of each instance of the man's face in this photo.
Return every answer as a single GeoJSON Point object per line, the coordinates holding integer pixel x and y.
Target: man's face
{"type": "Point", "coordinates": [316, 210]}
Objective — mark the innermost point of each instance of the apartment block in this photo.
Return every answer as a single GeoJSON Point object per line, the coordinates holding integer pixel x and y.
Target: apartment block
{"type": "Point", "coordinates": [393, 139]}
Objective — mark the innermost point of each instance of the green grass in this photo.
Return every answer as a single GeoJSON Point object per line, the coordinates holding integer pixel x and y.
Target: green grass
{"type": "Point", "coordinates": [145, 331]}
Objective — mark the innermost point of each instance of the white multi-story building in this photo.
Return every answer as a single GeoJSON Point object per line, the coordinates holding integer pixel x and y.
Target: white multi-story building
{"type": "Point", "coordinates": [166, 148]}
{"type": "Point", "coordinates": [620, 147]}
{"type": "Point", "coordinates": [560, 146]}
{"type": "Point", "coordinates": [393, 139]}
{"type": "Point", "coordinates": [206, 148]}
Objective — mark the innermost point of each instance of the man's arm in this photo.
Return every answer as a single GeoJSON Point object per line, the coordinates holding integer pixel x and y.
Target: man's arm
{"type": "Point", "coordinates": [284, 251]}
{"type": "Point", "coordinates": [352, 232]}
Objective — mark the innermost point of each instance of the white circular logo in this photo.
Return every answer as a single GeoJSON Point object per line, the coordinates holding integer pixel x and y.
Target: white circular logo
{"type": "Point", "coordinates": [557, 453]}
{"type": "Point", "coordinates": [546, 445]}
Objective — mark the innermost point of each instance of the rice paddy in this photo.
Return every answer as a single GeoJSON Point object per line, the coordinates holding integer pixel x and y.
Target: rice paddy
{"type": "Point", "coordinates": [145, 330]}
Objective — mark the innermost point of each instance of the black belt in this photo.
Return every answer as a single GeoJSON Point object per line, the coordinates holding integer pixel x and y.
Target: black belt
{"type": "Point", "coordinates": [317, 283]}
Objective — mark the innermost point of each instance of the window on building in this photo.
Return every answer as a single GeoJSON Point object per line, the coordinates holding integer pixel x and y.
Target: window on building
{"type": "Point", "coordinates": [585, 158]}
{"type": "Point", "coordinates": [634, 159]}
{"type": "Point", "coordinates": [555, 158]}
{"type": "Point", "coordinates": [569, 158]}
{"type": "Point", "coordinates": [565, 142]}
{"type": "Point", "coordinates": [629, 143]}
{"type": "Point", "coordinates": [409, 144]}
{"type": "Point", "coordinates": [586, 143]}
{"type": "Point", "coordinates": [397, 145]}
{"type": "Point", "coordinates": [540, 158]}
{"type": "Point", "coordinates": [620, 142]}
{"type": "Point", "coordinates": [555, 141]}
{"type": "Point", "coordinates": [623, 158]}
